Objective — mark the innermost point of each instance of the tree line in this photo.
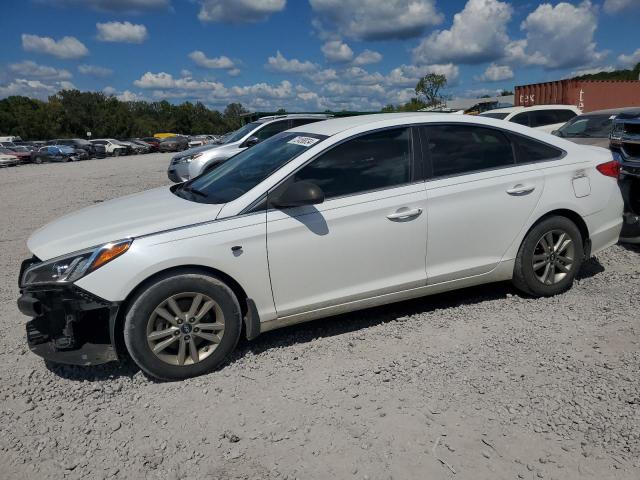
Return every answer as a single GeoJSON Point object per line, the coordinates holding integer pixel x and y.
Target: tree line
{"type": "Point", "coordinates": [71, 113]}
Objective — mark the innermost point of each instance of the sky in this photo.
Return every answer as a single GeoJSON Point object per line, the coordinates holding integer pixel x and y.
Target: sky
{"type": "Point", "coordinates": [306, 55]}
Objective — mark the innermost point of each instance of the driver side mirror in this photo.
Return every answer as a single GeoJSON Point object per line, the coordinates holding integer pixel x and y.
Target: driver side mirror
{"type": "Point", "coordinates": [251, 141]}
{"type": "Point", "coordinates": [298, 194]}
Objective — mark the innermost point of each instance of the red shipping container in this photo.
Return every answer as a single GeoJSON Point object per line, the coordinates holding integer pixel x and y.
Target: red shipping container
{"type": "Point", "coordinates": [587, 95]}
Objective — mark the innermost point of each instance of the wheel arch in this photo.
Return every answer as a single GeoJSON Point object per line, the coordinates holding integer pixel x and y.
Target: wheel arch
{"type": "Point", "coordinates": [576, 218]}
{"type": "Point", "coordinates": [117, 322]}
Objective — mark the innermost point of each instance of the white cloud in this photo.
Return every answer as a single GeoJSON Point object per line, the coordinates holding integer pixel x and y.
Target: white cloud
{"type": "Point", "coordinates": [164, 80]}
{"type": "Point", "coordinates": [323, 76]}
{"type": "Point", "coordinates": [280, 64]}
{"type": "Point", "coordinates": [559, 36]}
{"type": "Point", "coordinates": [616, 6]}
{"type": "Point", "coordinates": [478, 34]}
{"type": "Point", "coordinates": [221, 63]}
{"type": "Point", "coordinates": [118, 6]}
{"type": "Point", "coordinates": [367, 57]}
{"type": "Point", "coordinates": [336, 51]}
{"type": "Point", "coordinates": [32, 69]}
{"type": "Point", "coordinates": [495, 73]}
{"type": "Point", "coordinates": [128, 96]}
{"type": "Point", "coordinates": [66, 47]}
{"type": "Point", "coordinates": [630, 60]}
{"type": "Point", "coordinates": [95, 70]}
{"type": "Point", "coordinates": [359, 76]}
{"type": "Point", "coordinates": [125, 32]}
{"type": "Point", "coordinates": [482, 92]}
{"type": "Point", "coordinates": [589, 71]}
{"type": "Point", "coordinates": [376, 19]}
{"type": "Point", "coordinates": [238, 11]}
{"type": "Point", "coordinates": [34, 88]}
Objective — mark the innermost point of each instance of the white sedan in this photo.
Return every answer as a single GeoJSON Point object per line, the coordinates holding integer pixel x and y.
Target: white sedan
{"type": "Point", "coordinates": [319, 220]}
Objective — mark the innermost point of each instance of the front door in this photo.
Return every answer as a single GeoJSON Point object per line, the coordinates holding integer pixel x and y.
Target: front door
{"type": "Point", "coordinates": [367, 238]}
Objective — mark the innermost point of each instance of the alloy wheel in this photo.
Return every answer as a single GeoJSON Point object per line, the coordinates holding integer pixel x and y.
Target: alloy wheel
{"type": "Point", "coordinates": [553, 257]}
{"type": "Point", "coordinates": [185, 328]}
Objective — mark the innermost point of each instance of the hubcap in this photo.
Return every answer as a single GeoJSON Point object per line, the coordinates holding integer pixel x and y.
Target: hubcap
{"type": "Point", "coordinates": [553, 257]}
{"type": "Point", "coordinates": [185, 328]}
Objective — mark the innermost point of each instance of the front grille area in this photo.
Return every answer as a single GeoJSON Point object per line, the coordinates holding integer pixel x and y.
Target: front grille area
{"type": "Point", "coordinates": [632, 128]}
{"type": "Point", "coordinates": [631, 149]}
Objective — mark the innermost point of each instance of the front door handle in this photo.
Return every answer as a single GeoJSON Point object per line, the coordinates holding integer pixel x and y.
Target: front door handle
{"type": "Point", "coordinates": [519, 190]}
{"type": "Point", "coordinates": [404, 213]}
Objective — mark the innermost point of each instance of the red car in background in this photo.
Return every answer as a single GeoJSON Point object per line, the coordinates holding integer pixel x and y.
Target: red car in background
{"type": "Point", "coordinates": [23, 154]}
{"type": "Point", "coordinates": [153, 142]}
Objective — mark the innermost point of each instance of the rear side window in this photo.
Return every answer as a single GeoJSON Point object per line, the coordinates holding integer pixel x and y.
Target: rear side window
{"type": "Point", "coordinates": [564, 115]}
{"type": "Point", "coordinates": [541, 118]}
{"type": "Point", "coordinates": [521, 119]}
{"type": "Point", "coordinates": [296, 122]}
{"type": "Point", "coordinates": [370, 162]}
{"type": "Point", "coordinates": [460, 149]}
{"type": "Point", "coordinates": [530, 150]}
{"type": "Point", "coordinates": [271, 129]}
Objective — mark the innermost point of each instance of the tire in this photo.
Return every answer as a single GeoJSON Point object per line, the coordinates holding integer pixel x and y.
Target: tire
{"type": "Point", "coordinates": [560, 275]}
{"type": "Point", "coordinates": [116, 152]}
{"type": "Point", "coordinates": [142, 320]}
{"type": "Point", "coordinates": [37, 160]}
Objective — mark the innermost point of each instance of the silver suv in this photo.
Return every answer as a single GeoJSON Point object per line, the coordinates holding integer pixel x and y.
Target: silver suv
{"type": "Point", "coordinates": [193, 162]}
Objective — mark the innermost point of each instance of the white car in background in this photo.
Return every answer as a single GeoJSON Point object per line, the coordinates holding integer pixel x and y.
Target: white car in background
{"type": "Point", "coordinates": [541, 117]}
{"type": "Point", "coordinates": [112, 147]}
{"type": "Point", "coordinates": [318, 220]}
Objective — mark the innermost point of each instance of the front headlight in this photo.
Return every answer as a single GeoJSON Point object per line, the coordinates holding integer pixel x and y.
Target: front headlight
{"type": "Point", "coordinates": [186, 159]}
{"type": "Point", "coordinates": [70, 268]}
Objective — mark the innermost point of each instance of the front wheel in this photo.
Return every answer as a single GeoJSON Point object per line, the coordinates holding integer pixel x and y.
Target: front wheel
{"type": "Point", "coordinates": [116, 152]}
{"type": "Point", "coordinates": [183, 326]}
{"type": "Point", "coordinates": [549, 258]}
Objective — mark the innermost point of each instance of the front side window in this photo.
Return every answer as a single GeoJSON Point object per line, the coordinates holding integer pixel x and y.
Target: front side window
{"type": "Point", "coordinates": [370, 162]}
{"type": "Point", "coordinates": [565, 115]}
{"type": "Point", "coordinates": [241, 132]}
{"type": "Point", "coordinates": [244, 171]}
{"type": "Point", "coordinates": [271, 129]}
{"type": "Point", "coordinates": [297, 122]}
{"type": "Point", "coordinates": [460, 149]}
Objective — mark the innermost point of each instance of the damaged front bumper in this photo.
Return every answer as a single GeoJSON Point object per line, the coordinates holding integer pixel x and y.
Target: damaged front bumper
{"type": "Point", "coordinates": [69, 325]}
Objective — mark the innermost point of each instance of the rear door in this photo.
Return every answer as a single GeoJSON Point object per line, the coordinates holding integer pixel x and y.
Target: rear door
{"type": "Point", "coordinates": [478, 199]}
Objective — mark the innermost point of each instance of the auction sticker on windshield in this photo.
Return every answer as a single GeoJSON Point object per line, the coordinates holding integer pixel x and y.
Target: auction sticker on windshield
{"type": "Point", "coordinates": [304, 141]}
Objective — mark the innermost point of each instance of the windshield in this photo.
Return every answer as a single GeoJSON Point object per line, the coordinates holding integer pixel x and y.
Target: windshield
{"type": "Point", "coordinates": [241, 132]}
{"type": "Point", "coordinates": [587, 126]}
{"type": "Point", "coordinates": [241, 173]}
{"type": "Point", "coordinates": [499, 116]}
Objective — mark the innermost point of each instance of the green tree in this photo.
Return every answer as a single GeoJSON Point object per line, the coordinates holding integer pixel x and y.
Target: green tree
{"type": "Point", "coordinates": [429, 87]}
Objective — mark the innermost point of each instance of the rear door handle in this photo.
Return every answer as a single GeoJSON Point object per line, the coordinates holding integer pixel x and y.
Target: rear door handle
{"type": "Point", "coordinates": [519, 190]}
{"type": "Point", "coordinates": [404, 213]}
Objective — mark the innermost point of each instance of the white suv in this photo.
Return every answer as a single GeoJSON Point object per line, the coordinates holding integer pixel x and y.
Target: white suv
{"type": "Point", "coordinates": [542, 117]}
{"type": "Point", "coordinates": [318, 220]}
{"type": "Point", "coordinates": [111, 146]}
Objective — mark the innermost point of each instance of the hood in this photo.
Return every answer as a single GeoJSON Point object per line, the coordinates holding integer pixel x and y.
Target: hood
{"type": "Point", "coordinates": [596, 142]}
{"type": "Point", "coordinates": [131, 216]}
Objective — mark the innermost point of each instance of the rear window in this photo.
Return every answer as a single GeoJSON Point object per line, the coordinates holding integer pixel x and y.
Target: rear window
{"type": "Point", "coordinates": [496, 115]}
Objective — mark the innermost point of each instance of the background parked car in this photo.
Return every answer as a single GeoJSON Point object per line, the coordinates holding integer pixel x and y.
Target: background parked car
{"type": "Point", "coordinates": [542, 117]}
{"type": "Point", "coordinates": [174, 144]}
{"type": "Point", "coordinates": [185, 167]}
{"type": "Point", "coordinates": [55, 153]}
{"type": "Point", "coordinates": [7, 160]}
{"type": "Point", "coordinates": [23, 155]}
{"type": "Point", "coordinates": [625, 142]}
{"type": "Point", "coordinates": [593, 128]}
{"type": "Point", "coordinates": [134, 148]}
{"type": "Point", "coordinates": [77, 143]}
{"type": "Point", "coordinates": [153, 142]}
{"type": "Point", "coordinates": [111, 147]}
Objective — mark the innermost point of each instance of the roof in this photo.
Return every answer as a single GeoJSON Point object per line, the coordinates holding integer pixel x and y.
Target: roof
{"type": "Point", "coordinates": [294, 115]}
{"type": "Point", "coordinates": [336, 125]}
{"type": "Point", "coordinates": [616, 111]}
{"type": "Point", "coordinates": [532, 107]}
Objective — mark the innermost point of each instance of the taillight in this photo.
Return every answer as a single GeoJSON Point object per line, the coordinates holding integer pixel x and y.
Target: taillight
{"type": "Point", "coordinates": [609, 169]}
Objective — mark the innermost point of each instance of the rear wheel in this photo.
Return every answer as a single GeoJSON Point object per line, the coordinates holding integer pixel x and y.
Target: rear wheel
{"type": "Point", "coordinates": [183, 326]}
{"type": "Point", "coordinates": [117, 152]}
{"type": "Point", "coordinates": [549, 258]}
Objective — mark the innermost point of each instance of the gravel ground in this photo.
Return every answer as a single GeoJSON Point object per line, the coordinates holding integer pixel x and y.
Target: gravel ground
{"type": "Point", "coordinates": [476, 384]}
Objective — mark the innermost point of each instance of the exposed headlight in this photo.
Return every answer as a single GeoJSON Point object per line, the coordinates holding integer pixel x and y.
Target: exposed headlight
{"type": "Point", "coordinates": [70, 268]}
